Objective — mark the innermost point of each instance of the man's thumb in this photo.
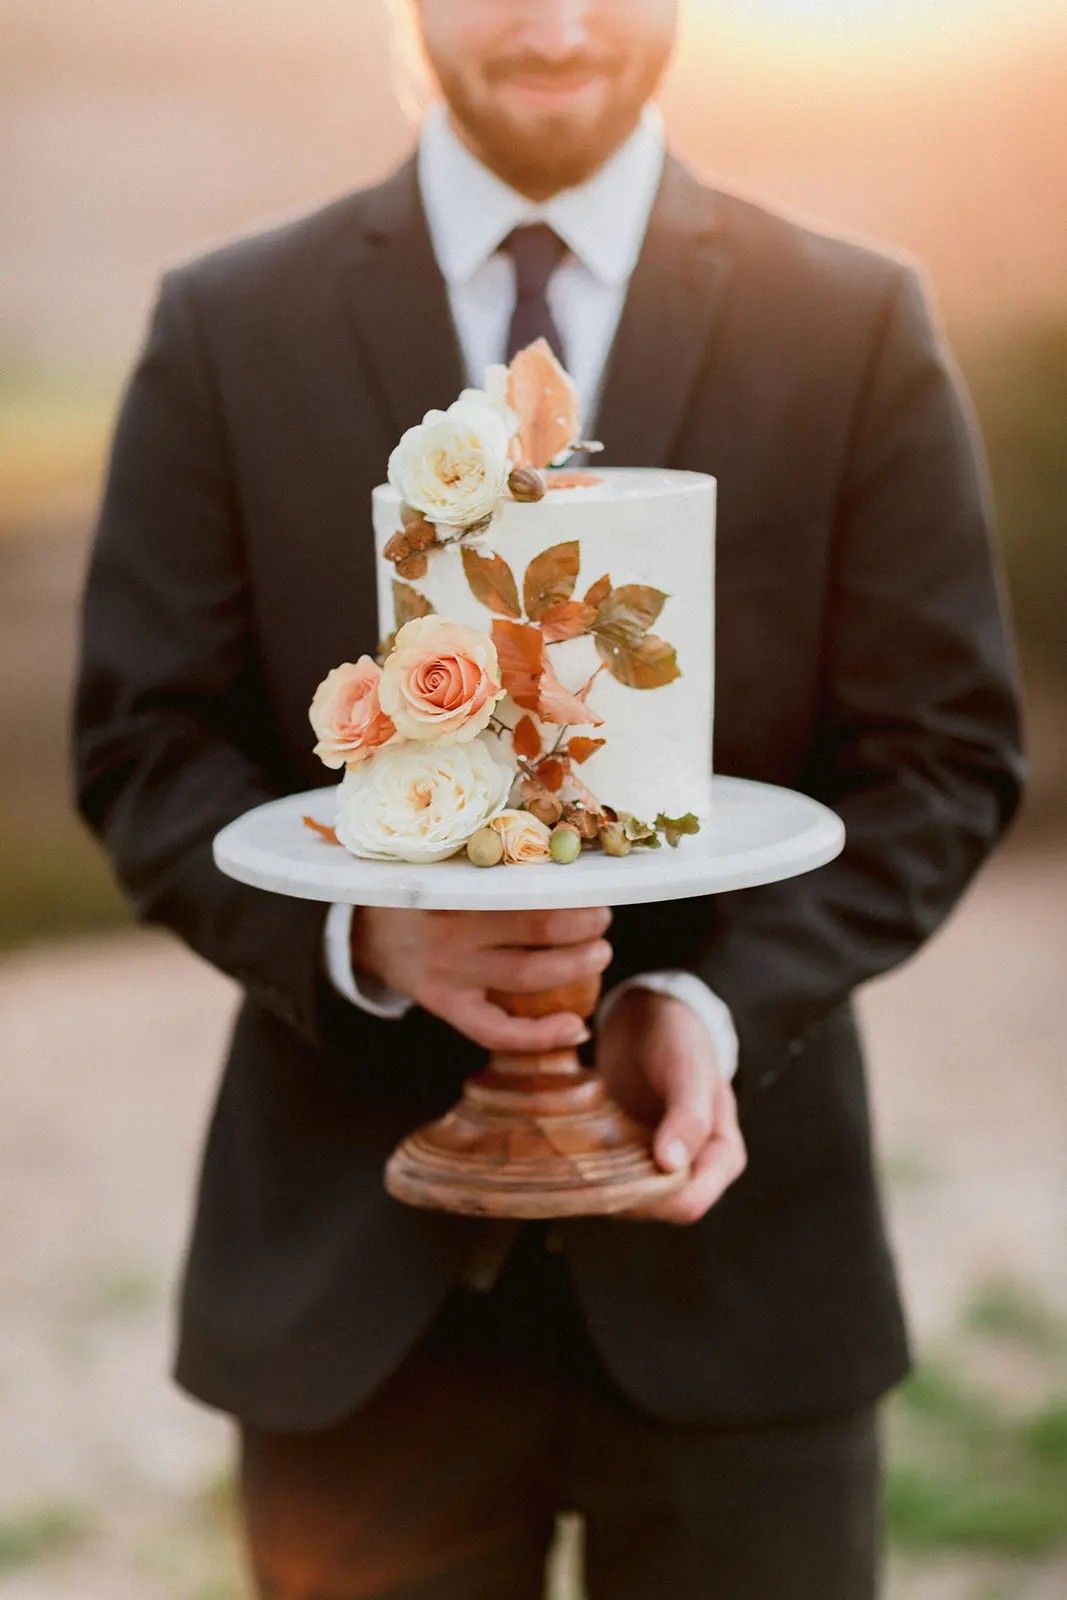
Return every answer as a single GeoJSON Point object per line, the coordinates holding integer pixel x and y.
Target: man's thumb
{"type": "Point", "coordinates": [683, 1131]}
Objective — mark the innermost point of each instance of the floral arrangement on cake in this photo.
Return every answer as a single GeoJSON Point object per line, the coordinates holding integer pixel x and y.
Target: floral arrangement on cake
{"type": "Point", "coordinates": [455, 739]}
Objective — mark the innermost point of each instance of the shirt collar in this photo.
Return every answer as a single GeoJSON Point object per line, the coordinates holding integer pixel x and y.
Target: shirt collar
{"type": "Point", "coordinates": [470, 211]}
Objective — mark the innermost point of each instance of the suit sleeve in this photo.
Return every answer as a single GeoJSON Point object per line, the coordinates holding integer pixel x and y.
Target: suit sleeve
{"type": "Point", "coordinates": [171, 729]}
{"type": "Point", "coordinates": [918, 745]}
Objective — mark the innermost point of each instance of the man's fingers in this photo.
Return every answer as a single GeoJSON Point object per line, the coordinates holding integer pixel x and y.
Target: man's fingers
{"type": "Point", "coordinates": [534, 928]}
{"type": "Point", "coordinates": [531, 971]}
{"type": "Point", "coordinates": [686, 1123]}
{"type": "Point", "coordinates": [719, 1164]}
{"type": "Point", "coordinates": [486, 1024]}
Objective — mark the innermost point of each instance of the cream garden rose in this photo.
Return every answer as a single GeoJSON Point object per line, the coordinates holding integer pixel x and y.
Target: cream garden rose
{"type": "Point", "coordinates": [453, 466]}
{"type": "Point", "coordinates": [525, 837]}
{"type": "Point", "coordinates": [346, 714]}
{"type": "Point", "coordinates": [420, 804]}
{"type": "Point", "coordinates": [440, 681]}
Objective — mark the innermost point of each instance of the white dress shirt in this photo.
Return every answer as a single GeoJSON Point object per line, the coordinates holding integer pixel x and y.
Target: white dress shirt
{"type": "Point", "coordinates": [470, 212]}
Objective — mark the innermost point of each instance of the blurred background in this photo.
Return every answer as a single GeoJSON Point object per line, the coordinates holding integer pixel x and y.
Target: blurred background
{"type": "Point", "coordinates": [137, 136]}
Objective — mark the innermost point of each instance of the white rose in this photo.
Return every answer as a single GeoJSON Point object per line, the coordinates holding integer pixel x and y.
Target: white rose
{"type": "Point", "coordinates": [494, 397]}
{"type": "Point", "coordinates": [453, 466]}
{"type": "Point", "coordinates": [420, 804]}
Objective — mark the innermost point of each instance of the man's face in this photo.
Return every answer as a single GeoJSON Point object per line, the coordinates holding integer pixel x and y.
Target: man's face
{"type": "Point", "coordinates": [544, 90]}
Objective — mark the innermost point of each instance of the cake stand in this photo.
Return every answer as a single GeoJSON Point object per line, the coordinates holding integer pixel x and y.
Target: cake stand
{"type": "Point", "coordinates": [535, 1135]}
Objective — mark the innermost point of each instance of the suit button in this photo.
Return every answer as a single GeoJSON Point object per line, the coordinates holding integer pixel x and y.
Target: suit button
{"type": "Point", "coordinates": [795, 1047]}
{"type": "Point", "coordinates": [767, 1078]}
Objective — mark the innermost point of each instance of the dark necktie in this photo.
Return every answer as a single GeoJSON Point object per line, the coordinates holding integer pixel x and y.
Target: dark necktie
{"type": "Point", "coordinates": [536, 251]}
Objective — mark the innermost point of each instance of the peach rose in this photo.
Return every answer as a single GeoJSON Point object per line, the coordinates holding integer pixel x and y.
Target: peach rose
{"type": "Point", "coordinates": [441, 681]}
{"type": "Point", "coordinates": [347, 716]}
{"type": "Point", "coordinates": [525, 837]}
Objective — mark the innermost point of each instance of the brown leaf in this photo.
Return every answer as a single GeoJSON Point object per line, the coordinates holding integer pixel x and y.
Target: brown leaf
{"type": "Point", "coordinates": [628, 612]}
{"type": "Point", "coordinates": [552, 773]}
{"type": "Point", "coordinates": [521, 651]}
{"type": "Point", "coordinates": [526, 738]}
{"type": "Point", "coordinates": [581, 748]}
{"type": "Point", "coordinates": [567, 620]}
{"type": "Point", "coordinates": [408, 603]}
{"type": "Point", "coordinates": [328, 834]}
{"type": "Point", "coordinates": [550, 579]}
{"type": "Point", "coordinates": [492, 582]}
{"type": "Point", "coordinates": [647, 663]}
{"type": "Point", "coordinates": [557, 704]}
{"type": "Point", "coordinates": [571, 480]}
{"type": "Point", "coordinates": [598, 593]}
{"type": "Point", "coordinates": [545, 401]}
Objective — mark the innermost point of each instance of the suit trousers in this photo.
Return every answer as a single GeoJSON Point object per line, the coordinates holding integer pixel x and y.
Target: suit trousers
{"type": "Point", "coordinates": [446, 1484]}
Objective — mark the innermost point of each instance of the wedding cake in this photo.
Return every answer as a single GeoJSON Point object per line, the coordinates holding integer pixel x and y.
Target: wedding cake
{"type": "Point", "coordinates": [545, 681]}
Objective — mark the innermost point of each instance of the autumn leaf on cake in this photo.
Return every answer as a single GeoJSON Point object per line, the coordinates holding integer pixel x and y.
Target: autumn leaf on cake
{"type": "Point", "coordinates": [628, 612]}
{"type": "Point", "coordinates": [567, 620]}
{"type": "Point", "coordinates": [550, 579]}
{"type": "Point", "coordinates": [572, 480]}
{"type": "Point", "coordinates": [408, 603]}
{"type": "Point", "coordinates": [647, 664]}
{"type": "Point", "coordinates": [580, 748]}
{"type": "Point", "coordinates": [526, 739]}
{"type": "Point", "coordinates": [521, 652]}
{"type": "Point", "coordinates": [559, 705]}
{"type": "Point", "coordinates": [545, 401]}
{"type": "Point", "coordinates": [492, 582]}
{"type": "Point", "coordinates": [327, 833]}
{"type": "Point", "coordinates": [631, 654]}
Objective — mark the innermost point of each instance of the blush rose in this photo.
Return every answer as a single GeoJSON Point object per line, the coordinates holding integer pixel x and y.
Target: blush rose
{"type": "Point", "coordinates": [347, 716]}
{"type": "Point", "coordinates": [441, 681]}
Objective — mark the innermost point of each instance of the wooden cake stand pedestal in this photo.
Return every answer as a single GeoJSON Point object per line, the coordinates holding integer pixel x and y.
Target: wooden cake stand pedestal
{"type": "Point", "coordinates": [535, 1135]}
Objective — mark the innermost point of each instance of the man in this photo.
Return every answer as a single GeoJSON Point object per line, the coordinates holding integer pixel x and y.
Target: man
{"type": "Point", "coordinates": [417, 1396]}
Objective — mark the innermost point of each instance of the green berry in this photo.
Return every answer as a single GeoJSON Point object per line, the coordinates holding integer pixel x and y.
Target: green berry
{"type": "Point", "coordinates": [485, 848]}
{"type": "Point", "coordinates": [565, 844]}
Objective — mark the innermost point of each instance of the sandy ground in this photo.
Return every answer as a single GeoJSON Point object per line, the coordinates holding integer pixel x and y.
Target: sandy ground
{"type": "Point", "coordinates": [109, 1479]}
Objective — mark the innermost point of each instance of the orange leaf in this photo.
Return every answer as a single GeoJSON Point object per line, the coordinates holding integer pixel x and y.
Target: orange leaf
{"type": "Point", "coordinates": [408, 603]}
{"type": "Point", "coordinates": [545, 401]}
{"type": "Point", "coordinates": [491, 581]}
{"type": "Point", "coordinates": [550, 579]}
{"type": "Point", "coordinates": [320, 827]}
{"type": "Point", "coordinates": [526, 738]}
{"type": "Point", "coordinates": [572, 480]}
{"type": "Point", "coordinates": [567, 620]}
{"type": "Point", "coordinates": [552, 773]}
{"type": "Point", "coordinates": [647, 663]}
{"type": "Point", "coordinates": [557, 704]}
{"type": "Point", "coordinates": [580, 748]}
{"type": "Point", "coordinates": [521, 650]}
{"type": "Point", "coordinates": [599, 591]}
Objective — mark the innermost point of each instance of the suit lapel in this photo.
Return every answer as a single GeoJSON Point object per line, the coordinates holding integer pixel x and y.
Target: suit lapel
{"type": "Point", "coordinates": [675, 293]}
{"type": "Point", "coordinates": [397, 304]}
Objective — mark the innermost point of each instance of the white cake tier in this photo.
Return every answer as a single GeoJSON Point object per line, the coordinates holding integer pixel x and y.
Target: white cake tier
{"type": "Point", "coordinates": [640, 525]}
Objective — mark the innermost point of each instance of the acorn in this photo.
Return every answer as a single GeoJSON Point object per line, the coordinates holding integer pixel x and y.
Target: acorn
{"type": "Point", "coordinates": [546, 807]}
{"type": "Point", "coordinates": [527, 484]}
{"type": "Point", "coordinates": [613, 840]}
{"type": "Point", "coordinates": [414, 566]}
{"type": "Point", "coordinates": [584, 822]}
{"type": "Point", "coordinates": [485, 848]}
{"type": "Point", "coordinates": [565, 845]}
{"type": "Point", "coordinates": [398, 548]}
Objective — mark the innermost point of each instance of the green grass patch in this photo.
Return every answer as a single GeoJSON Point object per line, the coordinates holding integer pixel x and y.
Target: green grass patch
{"type": "Point", "coordinates": [930, 1511]}
{"type": "Point", "coordinates": [1002, 1309]}
{"type": "Point", "coordinates": [37, 1533]}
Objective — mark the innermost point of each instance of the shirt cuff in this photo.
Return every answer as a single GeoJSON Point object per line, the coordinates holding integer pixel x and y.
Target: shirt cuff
{"type": "Point", "coordinates": [364, 991]}
{"type": "Point", "coordinates": [711, 1009]}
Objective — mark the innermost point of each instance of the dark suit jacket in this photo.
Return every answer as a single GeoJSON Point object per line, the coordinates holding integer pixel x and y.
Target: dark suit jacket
{"type": "Point", "coordinates": [862, 657]}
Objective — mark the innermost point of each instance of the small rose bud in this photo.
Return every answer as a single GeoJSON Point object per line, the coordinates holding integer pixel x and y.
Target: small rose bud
{"type": "Point", "coordinates": [397, 548]}
{"type": "Point", "coordinates": [413, 566]}
{"type": "Point", "coordinates": [527, 484]}
{"type": "Point", "coordinates": [485, 848]}
{"type": "Point", "coordinates": [565, 844]}
{"type": "Point", "coordinates": [613, 840]}
{"type": "Point", "coordinates": [421, 534]}
{"type": "Point", "coordinates": [545, 807]}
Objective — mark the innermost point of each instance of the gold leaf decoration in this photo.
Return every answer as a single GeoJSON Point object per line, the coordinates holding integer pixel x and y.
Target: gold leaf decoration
{"type": "Point", "coordinates": [628, 612]}
{"type": "Point", "coordinates": [526, 738]}
{"type": "Point", "coordinates": [546, 403]}
{"type": "Point", "coordinates": [321, 828]}
{"type": "Point", "coordinates": [598, 593]}
{"type": "Point", "coordinates": [521, 652]}
{"type": "Point", "coordinates": [580, 748]}
{"type": "Point", "coordinates": [492, 582]}
{"type": "Point", "coordinates": [647, 663]}
{"type": "Point", "coordinates": [567, 620]}
{"type": "Point", "coordinates": [557, 704]}
{"type": "Point", "coordinates": [408, 603]}
{"type": "Point", "coordinates": [550, 579]}
{"type": "Point", "coordinates": [576, 479]}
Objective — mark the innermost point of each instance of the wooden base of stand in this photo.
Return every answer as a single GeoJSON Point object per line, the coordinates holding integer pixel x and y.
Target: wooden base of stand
{"type": "Point", "coordinates": [533, 1136]}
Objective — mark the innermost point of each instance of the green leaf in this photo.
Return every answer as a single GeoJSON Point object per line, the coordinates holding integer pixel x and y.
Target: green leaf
{"type": "Point", "coordinates": [647, 663]}
{"type": "Point", "coordinates": [628, 612]}
{"type": "Point", "coordinates": [408, 603]}
{"type": "Point", "coordinates": [640, 833]}
{"type": "Point", "coordinates": [491, 582]}
{"type": "Point", "coordinates": [550, 579]}
{"type": "Point", "coordinates": [676, 828]}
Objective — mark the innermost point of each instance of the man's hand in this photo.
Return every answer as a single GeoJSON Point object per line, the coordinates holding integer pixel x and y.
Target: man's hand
{"type": "Point", "coordinates": [448, 960]}
{"type": "Point", "coordinates": [657, 1059]}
